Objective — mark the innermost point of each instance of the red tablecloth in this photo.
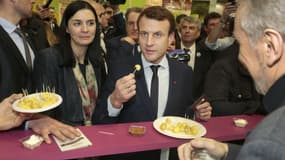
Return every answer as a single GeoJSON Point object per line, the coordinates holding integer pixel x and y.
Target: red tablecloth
{"type": "Point", "coordinates": [220, 128]}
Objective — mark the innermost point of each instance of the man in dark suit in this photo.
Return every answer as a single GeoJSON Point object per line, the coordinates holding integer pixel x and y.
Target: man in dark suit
{"type": "Point", "coordinates": [116, 22]}
{"type": "Point", "coordinates": [124, 45]}
{"type": "Point", "coordinates": [200, 56]}
{"type": "Point", "coordinates": [262, 52]}
{"type": "Point", "coordinates": [130, 97]}
{"type": "Point", "coordinates": [16, 60]}
{"type": "Point", "coordinates": [15, 74]}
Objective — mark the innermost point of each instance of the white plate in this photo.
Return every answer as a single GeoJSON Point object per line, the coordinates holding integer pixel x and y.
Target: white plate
{"type": "Point", "coordinates": [201, 129]}
{"type": "Point", "coordinates": [17, 108]}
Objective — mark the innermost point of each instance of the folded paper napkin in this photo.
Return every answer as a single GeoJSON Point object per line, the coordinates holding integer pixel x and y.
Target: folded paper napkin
{"type": "Point", "coordinates": [78, 142]}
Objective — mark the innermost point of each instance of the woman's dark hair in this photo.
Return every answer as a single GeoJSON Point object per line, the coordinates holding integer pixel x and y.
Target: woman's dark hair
{"type": "Point", "coordinates": [93, 51]}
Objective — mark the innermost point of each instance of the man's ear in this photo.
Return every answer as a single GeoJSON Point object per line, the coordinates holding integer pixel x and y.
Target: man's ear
{"type": "Point", "coordinates": [274, 46]}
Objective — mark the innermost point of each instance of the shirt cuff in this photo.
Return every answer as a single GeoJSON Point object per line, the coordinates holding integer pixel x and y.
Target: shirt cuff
{"type": "Point", "coordinates": [27, 125]}
{"type": "Point", "coordinates": [112, 111]}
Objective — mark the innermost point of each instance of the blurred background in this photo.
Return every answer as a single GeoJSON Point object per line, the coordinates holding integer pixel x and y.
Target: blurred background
{"type": "Point", "coordinates": [196, 8]}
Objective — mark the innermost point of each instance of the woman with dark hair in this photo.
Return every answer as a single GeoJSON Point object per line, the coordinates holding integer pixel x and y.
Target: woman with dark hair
{"type": "Point", "coordinates": [73, 68]}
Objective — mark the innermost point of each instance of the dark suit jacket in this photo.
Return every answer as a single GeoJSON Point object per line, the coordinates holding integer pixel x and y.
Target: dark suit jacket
{"type": "Point", "coordinates": [14, 73]}
{"type": "Point", "coordinates": [266, 141]}
{"type": "Point", "coordinates": [139, 108]}
{"type": "Point", "coordinates": [49, 71]}
{"type": "Point", "coordinates": [203, 60]}
{"type": "Point", "coordinates": [117, 27]}
{"type": "Point", "coordinates": [117, 49]}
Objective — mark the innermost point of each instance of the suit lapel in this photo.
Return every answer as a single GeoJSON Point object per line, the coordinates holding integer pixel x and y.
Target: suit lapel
{"type": "Point", "coordinates": [9, 47]}
{"type": "Point", "coordinates": [142, 88]}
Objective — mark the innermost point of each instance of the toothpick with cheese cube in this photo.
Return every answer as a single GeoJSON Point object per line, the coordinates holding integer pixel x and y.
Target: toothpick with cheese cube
{"type": "Point", "coordinates": [137, 68]}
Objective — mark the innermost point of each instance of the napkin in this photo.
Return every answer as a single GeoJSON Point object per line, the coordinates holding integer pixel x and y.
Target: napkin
{"type": "Point", "coordinates": [79, 142]}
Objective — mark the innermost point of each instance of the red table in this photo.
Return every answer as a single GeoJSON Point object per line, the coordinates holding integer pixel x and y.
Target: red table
{"type": "Point", "coordinates": [219, 128]}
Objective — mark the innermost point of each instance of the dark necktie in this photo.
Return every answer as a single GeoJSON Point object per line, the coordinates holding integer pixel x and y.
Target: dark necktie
{"type": "Point", "coordinates": [187, 51]}
{"type": "Point", "coordinates": [26, 46]}
{"type": "Point", "coordinates": [154, 88]}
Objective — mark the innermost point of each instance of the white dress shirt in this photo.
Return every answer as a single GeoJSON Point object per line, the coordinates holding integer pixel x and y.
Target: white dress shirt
{"type": "Point", "coordinates": [192, 54]}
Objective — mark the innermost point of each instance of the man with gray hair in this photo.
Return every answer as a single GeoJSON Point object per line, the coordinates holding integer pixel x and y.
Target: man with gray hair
{"type": "Point", "coordinates": [200, 58]}
{"type": "Point", "coordinates": [262, 51]}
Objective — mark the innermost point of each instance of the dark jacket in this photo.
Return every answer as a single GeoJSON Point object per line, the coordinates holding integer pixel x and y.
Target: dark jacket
{"type": "Point", "coordinates": [266, 141]}
{"type": "Point", "coordinates": [14, 73]}
{"type": "Point", "coordinates": [203, 60]}
{"type": "Point", "coordinates": [229, 87]}
{"type": "Point", "coordinates": [117, 27]}
{"type": "Point", "coordinates": [118, 49]}
{"type": "Point", "coordinates": [50, 71]}
{"type": "Point", "coordinates": [35, 28]}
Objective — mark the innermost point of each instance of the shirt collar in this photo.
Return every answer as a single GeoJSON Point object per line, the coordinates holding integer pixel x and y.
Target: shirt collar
{"type": "Point", "coordinates": [7, 26]}
{"type": "Point", "coordinates": [163, 63]}
{"type": "Point", "coordinates": [192, 47]}
{"type": "Point", "coordinates": [275, 98]}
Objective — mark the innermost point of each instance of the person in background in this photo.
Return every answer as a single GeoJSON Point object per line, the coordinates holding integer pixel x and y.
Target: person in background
{"type": "Point", "coordinates": [110, 10]}
{"type": "Point", "coordinates": [74, 67]}
{"type": "Point", "coordinates": [221, 35]}
{"type": "Point", "coordinates": [189, 30]}
{"type": "Point", "coordinates": [130, 97]}
{"type": "Point", "coordinates": [125, 45]}
{"type": "Point", "coordinates": [177, 33]}
{"type": "Point", "coordinates": [47, 14]}
{"type": "Point", "coordinates": [235, 93]}
{"type": "Point", "coordinates": [16, 66]}
{"type": "Point", "coordinates": [262, 44]}
{"type": "Point", "coordinates": [210, 21]}
{"type": "Point", "coordinates": [200, 56]}
{"type": "Point", "coordinates": [116, 22]}
{"type": "Point", "coordinates": [103, 21]}
{"type": "Point", "coordinates": [34, 26]}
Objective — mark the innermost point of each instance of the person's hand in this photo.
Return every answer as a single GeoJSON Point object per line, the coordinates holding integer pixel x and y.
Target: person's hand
{"type": "Point", "coordinates": [8, 117]}
{"type": "Point", "coordinates": [228, 10]}
{"type": "Point", "coordinates": [44, 125]}
{"type": "Point", "coordinates": [45, 13]}
{"type": "Point", "coordinates": [203, 111]}
{"type": "Point", "coordinates": [124, 90]}
{"type": "Point", "coordinates": [129, 40]}
{"type": "Point", "coordinates": [214, 148]}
